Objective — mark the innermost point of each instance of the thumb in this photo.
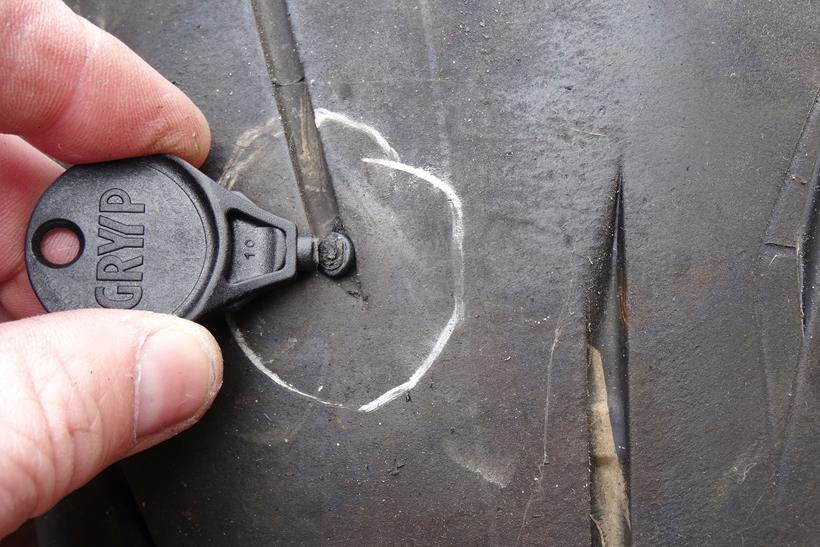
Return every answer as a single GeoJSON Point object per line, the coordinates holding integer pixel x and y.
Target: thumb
{"type": "Point", "coordinates": [79, 390]}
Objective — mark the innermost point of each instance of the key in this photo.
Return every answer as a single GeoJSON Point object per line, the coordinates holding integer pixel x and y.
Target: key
{"type": "Point", "coordinates": [157, 234]}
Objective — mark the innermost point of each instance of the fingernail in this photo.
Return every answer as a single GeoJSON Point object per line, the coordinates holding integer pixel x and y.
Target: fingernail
{"type": "Point", "coordinates": [177, 376]}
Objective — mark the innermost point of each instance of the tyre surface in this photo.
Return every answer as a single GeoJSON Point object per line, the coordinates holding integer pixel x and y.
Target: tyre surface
{"type": "Point", "coordinates": [584, 306]}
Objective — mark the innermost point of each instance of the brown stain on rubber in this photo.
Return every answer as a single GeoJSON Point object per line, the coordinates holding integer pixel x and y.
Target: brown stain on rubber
{"type": "Point", "coordinates": [610, 510]}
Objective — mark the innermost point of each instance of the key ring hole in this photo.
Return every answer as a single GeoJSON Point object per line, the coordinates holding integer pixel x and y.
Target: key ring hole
{"type": "Point", "coordinates": [58, 243]}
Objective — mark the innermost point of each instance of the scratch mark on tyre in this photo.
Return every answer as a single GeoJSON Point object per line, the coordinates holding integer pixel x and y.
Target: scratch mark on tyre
{"type": "Point", "coordinates": [560, 322]}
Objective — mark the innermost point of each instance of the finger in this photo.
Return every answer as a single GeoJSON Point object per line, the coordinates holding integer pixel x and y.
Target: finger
{"type": "Point", "coordinates": [4, 315]}
{"type": "Point", "coordinates": [80, 390]}
{"type": "Point", "coordinates": [25, 172]}
{"type": "Point", "coordinates": [81, 95]}
{"type": "Point", "coordinates": [18, 299]}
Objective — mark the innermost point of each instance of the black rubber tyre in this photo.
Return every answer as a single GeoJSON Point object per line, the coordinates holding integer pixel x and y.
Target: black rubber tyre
{"type": "Point", "coordinates": [584, 309]}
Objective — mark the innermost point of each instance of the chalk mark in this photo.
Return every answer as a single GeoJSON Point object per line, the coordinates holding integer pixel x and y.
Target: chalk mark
{"type": "Point", "coordinates": [458, 289]}
{"type": "Point", "coordinates": [236, 164]}
{"type": "Point", "coordinates": [273, 129]}
{"type": "Point", "coordinates": [322, 116]}
{"type": "Point", "coordinates": [496, 470]}
{"type": "Point", "coordinates": [257, 361]}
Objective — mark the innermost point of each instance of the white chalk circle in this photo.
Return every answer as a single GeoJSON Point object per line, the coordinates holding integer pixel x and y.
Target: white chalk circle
{"type": "Point", "coordinates": [244, 155]}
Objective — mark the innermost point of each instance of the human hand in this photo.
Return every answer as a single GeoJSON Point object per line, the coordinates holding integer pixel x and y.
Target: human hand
{"type": "Point", "coordinates": [80, 390]}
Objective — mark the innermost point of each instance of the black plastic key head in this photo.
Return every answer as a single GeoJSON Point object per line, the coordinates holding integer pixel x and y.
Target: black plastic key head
{"type": "Point", "coordinates": [156, 234]}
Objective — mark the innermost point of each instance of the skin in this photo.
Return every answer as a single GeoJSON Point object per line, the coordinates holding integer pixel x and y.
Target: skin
{"type": "Point", "coordinates": [80, 390]}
